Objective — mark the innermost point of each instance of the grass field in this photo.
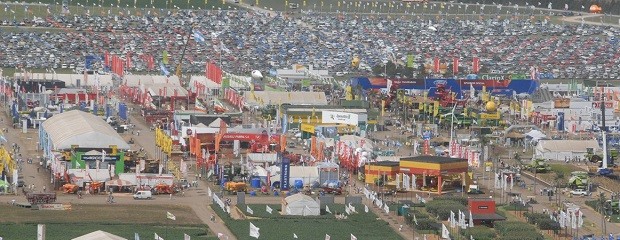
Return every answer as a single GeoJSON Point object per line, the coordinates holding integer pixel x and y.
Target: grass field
{"type": "Point", "coordinates": [273, 226]}
{"type": "Point", "coordinates": [122, 220]}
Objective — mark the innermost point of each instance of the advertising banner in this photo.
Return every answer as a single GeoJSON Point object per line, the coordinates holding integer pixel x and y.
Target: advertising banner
{"type": "Point", "coordinates": [560, 121]}
{"type": "Point", "coordinates": [340, 117]}
{"type": "Point", "coordinates": [285, 171]}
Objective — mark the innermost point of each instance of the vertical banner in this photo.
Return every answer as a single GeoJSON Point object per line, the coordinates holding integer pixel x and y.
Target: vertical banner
{"type": "Point", "coordinates": [410, 60]}
{"type": "Point", "coordinates": [285, 171]}
{"type": "Point", "coordinates": [560, 122]}
{"type": "Point", "coordinates": [476, 65]}
{"type": "Point", "coordinates": [436, 65]}
{"type": "Point", "coordinates": [455, 66]}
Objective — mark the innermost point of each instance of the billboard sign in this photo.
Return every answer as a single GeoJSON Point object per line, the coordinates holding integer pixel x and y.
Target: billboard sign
{"type": "Point", "coordinates": [340, 117]}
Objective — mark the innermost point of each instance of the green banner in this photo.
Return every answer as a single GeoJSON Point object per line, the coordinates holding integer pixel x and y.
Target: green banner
{"type": "Point", "coordinates": [410, 60]}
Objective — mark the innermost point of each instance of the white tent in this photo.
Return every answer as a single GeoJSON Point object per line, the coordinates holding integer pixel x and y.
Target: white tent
{"type": "Point", "coordinates": [99, 235]}
{"type": "Point", "coordinates": [300, 205]}
{"type": "Point", "coordinates": [535, 135]}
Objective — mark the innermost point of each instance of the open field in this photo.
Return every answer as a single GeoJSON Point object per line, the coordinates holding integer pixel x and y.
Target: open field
{"type": "Point", "coordinates": [122, 220]}
{"type": "Point", "coordinates": [362, 225]}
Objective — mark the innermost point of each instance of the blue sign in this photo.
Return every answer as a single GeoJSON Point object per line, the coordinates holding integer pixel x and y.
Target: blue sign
{"type": "Point", "coordinates": [560, 121]}
{"type": "Point", "coordinates": [285, 171]}
{"type": "Point", "coordinates": [122, 111]}
{"type": "Point", "coordinates": [426, 135]}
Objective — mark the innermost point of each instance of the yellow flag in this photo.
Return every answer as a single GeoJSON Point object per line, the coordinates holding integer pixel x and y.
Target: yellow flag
{"type": "Point", "coordinates": [223, 2]}
{"type": "Point", "coordinates": [206, 2]}
{"type": "Point", "coordinates": [436, 108]}
{"type": "Point", "coordinates": [338, 3]}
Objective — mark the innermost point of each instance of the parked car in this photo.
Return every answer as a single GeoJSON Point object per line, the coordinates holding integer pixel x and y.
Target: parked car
{"type": "Point", "coordinates": [580, 192]}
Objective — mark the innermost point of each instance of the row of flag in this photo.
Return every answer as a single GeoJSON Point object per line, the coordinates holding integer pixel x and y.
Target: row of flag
{"type": "Point", "coordinates": [255, 233]}
{"type": "Point", "coordinates": [455, 64]}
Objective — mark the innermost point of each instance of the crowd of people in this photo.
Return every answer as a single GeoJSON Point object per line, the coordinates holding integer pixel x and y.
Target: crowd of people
{"type": "Point", "coordinates": [241, 41]}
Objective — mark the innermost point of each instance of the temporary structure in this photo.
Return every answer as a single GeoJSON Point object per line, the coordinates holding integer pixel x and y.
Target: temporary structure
{"type": "Point", "coordinates": [99, 235]}
{"type": "Point", "coordinates": [300, 205]}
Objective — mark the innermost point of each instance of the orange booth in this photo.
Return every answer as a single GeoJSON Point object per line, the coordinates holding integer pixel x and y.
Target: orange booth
{"type": "Point", "coordinates": [430, 171]}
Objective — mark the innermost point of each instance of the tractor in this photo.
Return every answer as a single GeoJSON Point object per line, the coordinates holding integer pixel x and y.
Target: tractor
{"type": "Point", "coordinates": [538, 166]}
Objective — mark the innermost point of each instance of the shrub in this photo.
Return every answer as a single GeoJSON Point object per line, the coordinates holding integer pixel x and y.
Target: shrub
{"type": "Point", "coordinates": [442, 208]}
{"type": "Point", "coordinates": [479, 233]}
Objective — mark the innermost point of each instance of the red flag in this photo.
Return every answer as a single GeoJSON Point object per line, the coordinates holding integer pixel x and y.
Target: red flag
{"type": "Point", "coordinates": [106, 57]}
{"type": "Point", "coordinates": [436, 65]}
{"type": "Point", "coordinates": [455, 66]}
{"type": "Point", "coordinates": [128, 57]}
{"type": "Point", "coordinates": [476, 66]}
{"type": "Point", "coordinates": [165, 91]}
{"type": "Point", "coordinates": [160, 92]}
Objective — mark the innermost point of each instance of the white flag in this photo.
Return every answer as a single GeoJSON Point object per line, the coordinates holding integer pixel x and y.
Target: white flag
{"type": "Point", "coordinates": [353, 237]}
{"type": "Point", "coordinates": [415, 220]}
{"type": "Point", "coordinates": [347, 210]}
{"type": "Point", "coordinates": [170, 216]}
{"type": "Point", "coordinates": [209, 192]}
{"type": "Point", "coordinates": [397, 180]}
{"type": "Point", "coordinates": [580, 219]}
{"type": "Point", "coordinates": [445, 234]}
{"type": "Point", "coordinates": [186, 237]}
{"type": "Point", "coordinates": [512, 181]}
{"type": "Point", "coordinates": [573, 220]}
{"type": "Point", "coordinates": [221, 236]}
{"type": "Point", "coordinates": [406, 182]}
{"type": "Point", "coordinates": [295, 235]}
{"type": "Point", "coordinates": [327, 237]}
{"type": "Point", "coordinates": [157, 237]}
{"type": "Point", "coordinates": [254, 231]}
{"type": "Point", "coordinates": [352, 208]}
{"type": "Point", "coordinates": [136, 236]}
{"type": "Point", "coordinates": [471, 220]}
{"type": "Point", "coordinates": [249, 210]}
{"type": "Point", "coordinates": [365, 208]}
{"type": "Point", "coordinates": [452, 220]}
{"type": "Point", "coordinates": [386, 208]}
{"type": "Point", "coordinates": [269, 210]}
{"type": "Point", "coordinates": [327, 209]}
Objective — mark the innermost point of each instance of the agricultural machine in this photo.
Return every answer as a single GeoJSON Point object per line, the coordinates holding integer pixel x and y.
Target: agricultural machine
{"type": "Point", "coordinates": [538, 166]}
{"type": "Point", "coordinates": [579, 180]}
{"type": "Point", "coordinates": [69, 186]}
{"type": "Point", "coordinates": [234, 187]}
{"type": "Point", "coordinates": [162, 188]}
{"type": "Point", "coordinates": [446, 98]}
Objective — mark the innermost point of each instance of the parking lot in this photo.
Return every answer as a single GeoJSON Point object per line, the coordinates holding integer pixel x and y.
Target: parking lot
{"type": "Point", "coordinates": [242, 41]}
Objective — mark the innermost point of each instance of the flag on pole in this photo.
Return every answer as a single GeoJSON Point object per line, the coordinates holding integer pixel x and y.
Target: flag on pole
{"type": "Point", "coordinates": [254, 231]}
{"type": "Point", "coordinates": [445, 234]}
{"type": "Point", "coordinates": [295, 235]}
{"type": "Point", "coordinates": [471, 220]}
{"type": "Point", "coordinates": [157, 237]}
{"type": "Point", "coordinates": [415, 220]}
{"type": "Point", "coordinates": [452, 219]}
{"type": "Point", "coordinates": [186, 237]}
{"type": "Point", "coordinates": [249, 210]}
{"type": "Point", "coordinates": [386, 208]}
{"type": "Point", "coordinates": [365, 208]}
{"type": "Point", "coordinates": [327, 237]}
{"type": "Point", "coordinates": [269, 210]}
{"type": "Point", "coordinates": [170, 216]}
{"type": "Point", "coordinates": [353, 237]}
{"type": "Point", "coordinates": [136, 236]}
{"type": "Point", "coordinates": [327, 209]}
{"type": "Point", "coordinates": [221, 236]}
